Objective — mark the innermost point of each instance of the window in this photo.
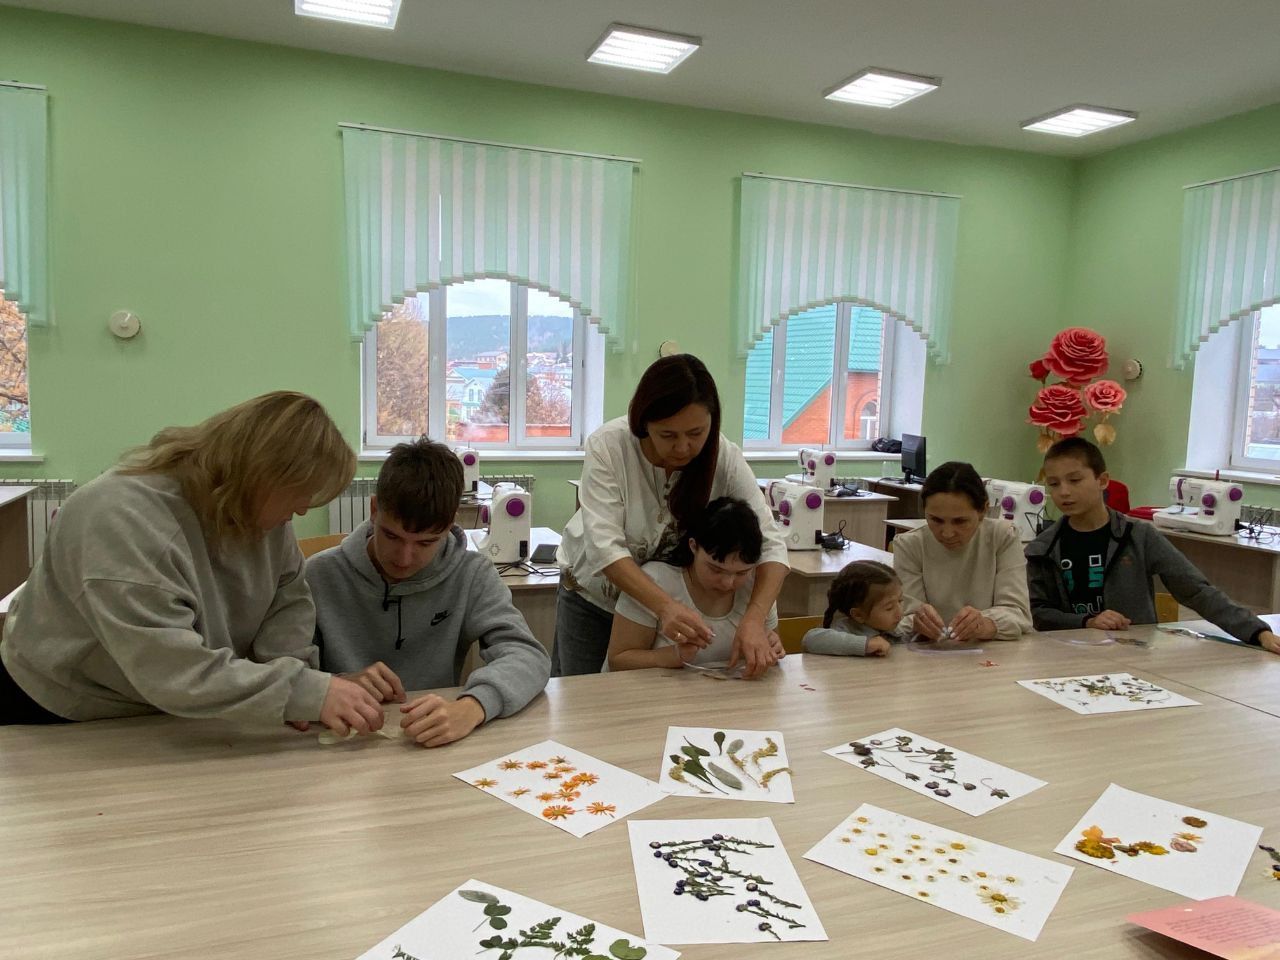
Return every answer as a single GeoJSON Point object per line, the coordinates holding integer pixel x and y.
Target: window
{"type": "Point", "coordinates": [15, 402]}
{"type": "Point", "coordinates": [442, 364]}
{"type": "Point", "coordinates": [1256, 437]}
{"type": "Point", "coordinates": [789, 401]}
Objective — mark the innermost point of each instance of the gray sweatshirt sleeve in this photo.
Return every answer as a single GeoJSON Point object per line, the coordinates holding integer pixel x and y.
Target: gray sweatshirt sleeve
{"type": "Point", "coordinates": [516, 666]}
{"type": "Point", "coordinates": [834, 643]}
{"type": "Point", "coordinates": [1192, 589]}
{"type": "Point", "coordinates": [149, 632]}
{"type": "Point", "coordinates": [289, 628]}
{"type": "Point", "coordinates": [1042, 590]}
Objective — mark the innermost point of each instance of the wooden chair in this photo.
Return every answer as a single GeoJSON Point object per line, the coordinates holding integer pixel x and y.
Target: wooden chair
{"type": "Point", "coordinates": [793, 629]}
{"type": "Point", "coordinates": [1166, 608]}
{"type": "Point", "coordinates": [313, 545]}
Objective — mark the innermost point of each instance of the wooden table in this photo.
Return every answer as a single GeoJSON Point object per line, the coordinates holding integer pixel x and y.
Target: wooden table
{"type": "Point", "coordinates": [534, 594]}
{"type": "Point", "coordinates": [1247, 571]}
{"type": "Point", "coordinates": [863, 517]}
{"type": "Point", "coordinates": [183, 840]}
{"type": "Point", "coordinates": [15, 532]}
{"type": "Point", "coordinates": [804, 592]}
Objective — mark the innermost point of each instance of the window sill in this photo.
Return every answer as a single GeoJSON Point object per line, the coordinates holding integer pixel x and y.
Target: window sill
{"type": "Point", "coordinates": [488, 456]}
{"type": "Point", "coordinates": [1238, 476]}
{"type": "Point", "coordinates": [20, 455]}
{"type": "Point", "coordinates": [842, 456]}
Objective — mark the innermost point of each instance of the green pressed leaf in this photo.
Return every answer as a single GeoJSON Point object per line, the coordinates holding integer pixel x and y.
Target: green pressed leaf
{"type": "Point", "coordinates": [693, 750]}
{"type": "Point", "coordinates": [623, 950]}
{"type": "Point", "coordinates": [477, 896]}
{"type": "Point", "coordinates": [719, 739]}
{"type": "Point", "coordinates": [496, 910]}
{"type": "Point", "coordinates": [724, 776]}
{"type": "Point", "coordinates": [497, 923]}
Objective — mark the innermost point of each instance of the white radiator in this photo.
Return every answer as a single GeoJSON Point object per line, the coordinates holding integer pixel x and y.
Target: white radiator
{"type": "Point", "coordinates": [42, 504]}
{"type": "Point", "coordinates": [351, 508]}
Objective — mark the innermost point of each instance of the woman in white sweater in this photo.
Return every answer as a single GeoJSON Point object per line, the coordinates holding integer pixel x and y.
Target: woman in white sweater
{"type": "Point", "coordinates": [174, 583]}
{"type": "Point", "coordinates": [645, 478]}
{"type": "Point", "coordinates": [964, 577]}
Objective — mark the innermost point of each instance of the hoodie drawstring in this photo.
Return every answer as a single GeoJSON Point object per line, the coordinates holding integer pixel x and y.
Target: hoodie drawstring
{"type": "Point", "coordinates": [387, 600]}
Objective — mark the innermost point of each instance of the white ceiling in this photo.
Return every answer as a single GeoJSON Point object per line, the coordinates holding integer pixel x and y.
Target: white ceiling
{"type": "Point", "coordinates": [1176, 62]}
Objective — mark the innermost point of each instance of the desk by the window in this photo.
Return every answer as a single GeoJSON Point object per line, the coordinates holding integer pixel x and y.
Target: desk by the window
{"type": "Point", "coordinates": [804, 591]}
{"type": "Point", "coordinates": [1246, 570]}
{"type": "Point", "coordinates": [907, 495]}
{"type": "Point", "coordinates": [534, 594]}
{"type": "Point", "coordinates": [110, 816]}
{"type": "Point", "coordinates": [15, 529]}
{"type": "Point", "coordinates": [863, 517]}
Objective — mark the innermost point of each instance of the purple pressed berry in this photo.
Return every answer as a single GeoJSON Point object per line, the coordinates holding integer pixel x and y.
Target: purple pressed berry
{"type": "Point", "coordinates": [704, 863]}
{"type": "Point", "coordinates": [753, 887]}
{"type": "Point", "coordinates": [716, 878]}
{"type": "Point", "coordinates": [657, 854]}
{"type": "Point", "coordinates": [678, 891]}
{"type": "Point", "coordinates": [943, 793]}
{"type": "Point", "coordinates": [931, 785]}
{"type": "Point", "coordinates": [672, 864]}
{"type": "Point", "coordinates": [702, 896]}
{"type": "Point", "coordinates": [717, 836]}
{"type": "Point", "coordinates": [714, 848]}
{"type": "Point", "coordinates": [667, 855]}
{"type": "Point", "coordinates": [970, 786]}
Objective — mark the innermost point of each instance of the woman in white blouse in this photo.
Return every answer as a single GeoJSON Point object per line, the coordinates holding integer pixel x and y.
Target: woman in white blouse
{"type": "Point", "coordinates": [645, 477]}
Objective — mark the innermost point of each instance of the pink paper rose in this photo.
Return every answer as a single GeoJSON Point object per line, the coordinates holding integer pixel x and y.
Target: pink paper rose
{"type": "Point", "coordinates": [1105, 396]}
{"type": "Point", "coordinates": [1039, 370]}
{"type": "Point", "coordinates": [1077, 354]}
{"type": "Point", "coordinates": [1059, 408]}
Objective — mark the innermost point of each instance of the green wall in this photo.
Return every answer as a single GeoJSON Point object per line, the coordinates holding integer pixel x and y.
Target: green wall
{"type": "Point", "coordinates": [1126, 241]}
{"type": "Point", "coordinates": [197, 182]}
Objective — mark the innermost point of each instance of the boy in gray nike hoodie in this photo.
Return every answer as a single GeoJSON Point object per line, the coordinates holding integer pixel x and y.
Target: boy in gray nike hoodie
{"type": "Point", "coordinates": [401, 599]}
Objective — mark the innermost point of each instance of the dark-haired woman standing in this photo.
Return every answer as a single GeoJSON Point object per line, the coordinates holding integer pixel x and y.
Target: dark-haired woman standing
{"type": "Point", "coordinates": [964, 576]}
{"type": "Point", "coordinates": [645, 477]}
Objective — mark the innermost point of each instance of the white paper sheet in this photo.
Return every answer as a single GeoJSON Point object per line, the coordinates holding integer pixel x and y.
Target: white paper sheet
{"type": "Point", "coordinates": [936, 770]}
{"type": "Point", "coordinates": [1174, 847]}
{"type": "Point", "coordinates": [995, 885]}
{"type": "Point", "coordinates": [737, 883]}
{"type": "Point", "coordinates": [726, 764]}
{"type": "Point", "coordinates": [1106, 693]}
{"type": "Point", "coordinates": [559, 785]}
{"type": "Point", "coordinates": [467, 922]}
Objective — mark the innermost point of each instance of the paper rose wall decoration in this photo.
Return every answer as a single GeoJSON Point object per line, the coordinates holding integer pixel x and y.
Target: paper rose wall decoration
{"type": "Point", "coordinates": [1077, 357]}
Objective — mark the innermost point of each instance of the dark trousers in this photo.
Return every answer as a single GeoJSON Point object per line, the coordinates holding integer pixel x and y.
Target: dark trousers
{"type": "Point", "coordinates": [582, 635]}
{"type": "Point", "coordinates": [17, 707]}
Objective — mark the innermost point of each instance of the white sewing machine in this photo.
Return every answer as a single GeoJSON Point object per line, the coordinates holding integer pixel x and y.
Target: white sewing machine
{"type": "Point", "coordinates": [799, 508]}
{"type": "Point", "coordinates": [507, 517]}
{"type": "Point", "coordinates": [818, 467]}
{"type": "Point", "coordinates": [1201, 506]}
{"type": "Point", "coordinates": [470, 469]}
{"type": "Point", "coordinates": [1020, 503]}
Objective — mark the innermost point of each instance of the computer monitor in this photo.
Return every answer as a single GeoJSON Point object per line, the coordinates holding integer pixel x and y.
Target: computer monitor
{"type": "Point", "coordinates": [913, 461]}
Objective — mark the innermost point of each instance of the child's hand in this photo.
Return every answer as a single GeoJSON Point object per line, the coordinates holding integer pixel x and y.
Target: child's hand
{"type": "Point", "coordinates": [434, 721]}
{"type": "Point", "coordinates": [878, 647]}
{"type": "Point", "coordinates": [1109, 620]}
{"type": "Point", "coordinates": [381, 681]}
{"type": "Point", "coordinates": [928, 623]}
{"type": "Point", "coordinates": [970, 624]}
{"type": "Point", "coordinates": [1269, 641]}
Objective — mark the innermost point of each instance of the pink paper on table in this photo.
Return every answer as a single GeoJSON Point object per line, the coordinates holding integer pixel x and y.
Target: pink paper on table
{"type": "Point", "coordinates": [1227, 927]}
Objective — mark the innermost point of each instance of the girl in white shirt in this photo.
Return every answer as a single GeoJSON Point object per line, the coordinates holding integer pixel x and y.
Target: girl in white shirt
{"type": "Point", "coordinates": [712, 572]}
{"type": "Point", "coordinates": [645, 478]}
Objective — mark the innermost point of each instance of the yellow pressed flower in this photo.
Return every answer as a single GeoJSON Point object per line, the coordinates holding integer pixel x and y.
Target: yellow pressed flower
{"type": "Point", "coordinates": [1189, 837]}
{"type": "Point", "coordinates": [871, 851]}
{"type": "Point", "coordinates": [1095, 849]}
{"type": "Point", "coordinates": [958, 846]}
{"type": "Point", "coordinates": [999, 902]}
{"type": "Point", "coordinates": [922, 893]}
{"type": "Point", "coordinates": [863, 820]}
{"type": "Point", "coordinates": [846, 839]}
{"type": "Point", "coordinates": [1152, 848]}
{"type": "Point", "coordinates": [484, 783]}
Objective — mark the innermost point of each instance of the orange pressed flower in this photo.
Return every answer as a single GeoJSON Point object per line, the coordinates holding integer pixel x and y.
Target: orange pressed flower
{"type": "Point", "coordinates": [585, 779]}
{"type": "Point", "coordinates": [558, 811]}
{"type": "Point", "coordinates": [535, 764]}
{"type": "Point", "coordinates": [568, 793]}
{"type": "Point", "coordinates": [510, 765]}
{"type": "Point", "coordinates": [552, 775]}
{"type": "Point", "coordinates": [548, 797]}
{"type": "Point", "coordinates": [559, 760]}
{"type": "Point", "coordinates": [565, 768]}
{"type": "Point", "coordinates": [519, 791]}
{"type": "Point", "coordinates": [598, 809]}
{"type": "Point", "coordinates": [485, 783]}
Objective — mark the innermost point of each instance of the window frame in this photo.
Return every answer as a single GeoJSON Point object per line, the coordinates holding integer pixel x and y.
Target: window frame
{"type": "Point", "coordinates": [517, 364]}
{"type": "Point", "coordinates": [839, 372]}
{"type": "Point", "coordinates": [1247, 335]}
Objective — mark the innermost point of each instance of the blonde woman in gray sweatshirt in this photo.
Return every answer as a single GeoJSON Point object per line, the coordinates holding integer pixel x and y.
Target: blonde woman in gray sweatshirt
{"type": "Point", "coordinates": [173, 583]}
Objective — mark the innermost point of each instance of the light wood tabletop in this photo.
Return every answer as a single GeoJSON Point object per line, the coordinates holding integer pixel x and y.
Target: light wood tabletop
{"type": "Point", "coordinates": [170, 839]}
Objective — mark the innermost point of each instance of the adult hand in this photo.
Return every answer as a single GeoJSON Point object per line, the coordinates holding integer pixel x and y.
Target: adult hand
{"type": "Point", "coordinates": [1109, 620]}
{"type": "Point", "coordinates": [380, 680]}
{"type": "Point", "coordinates": [751, 646]}
{"type": "Point", "coordinates": [928, 623]}
{"type": "Point", "coordinates": [775, 645]}
{"type": "Point", "coordinates": [878, 647]}
{"type": "Point", "coordinates": [349, 706]}
{"type": "Point", "coordinates": [434, 721]}
{"type": "Point", "coordinates": [1269, 641]}
{"type": "Point", "coordinates": [681, 624]}
{"type": "Point", "coordinates": [970, 624]}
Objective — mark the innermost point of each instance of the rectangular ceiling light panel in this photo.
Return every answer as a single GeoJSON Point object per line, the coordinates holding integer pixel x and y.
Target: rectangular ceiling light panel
{"type": "Point", "coordinates": [369, 13]}
{"type": "Point", "coordinates": [874, 87]}
{"type": "Point", "coordinates": [1079, 120]}
{"type": "Point", "coordinates": [638, 48]}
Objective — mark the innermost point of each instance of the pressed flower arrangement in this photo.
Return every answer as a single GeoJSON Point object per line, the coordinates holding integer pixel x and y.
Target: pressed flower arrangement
{"type": "Point", "coordinates": [1077, 357]}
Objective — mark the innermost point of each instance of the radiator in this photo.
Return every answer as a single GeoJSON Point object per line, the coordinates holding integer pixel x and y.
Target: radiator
{"type": "Point", "coordinates": [42, 504]}
{"type": "Point", "coordinates": [351, 508]}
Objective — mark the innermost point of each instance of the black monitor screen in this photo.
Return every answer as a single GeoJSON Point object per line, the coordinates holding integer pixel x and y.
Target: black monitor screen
{"type": "Point", "coordinates": [913, 460]}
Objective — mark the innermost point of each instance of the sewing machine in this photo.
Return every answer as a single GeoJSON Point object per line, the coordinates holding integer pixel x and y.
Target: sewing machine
{"type": "Point", "coordinates": [1020, 503]}
{"type": "Point", "coordinates": [1201, 506]}
{"type": "Point", "coordinates": [799, 508]}
{"type": "Point", "coordinates": [818, 467]}
{"type": "Point", "coordinates": [507, 519]}
{"type": "Point", "coordinates": [470, 470]}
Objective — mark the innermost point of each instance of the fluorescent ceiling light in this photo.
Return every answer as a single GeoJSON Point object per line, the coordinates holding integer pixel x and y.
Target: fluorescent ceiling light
{"type": "Point", "coordinates": [1079, 120]}
{"type": "Point", "coordinates": [639, 49]}
{"type": "Point", "coordinates": [874, 87]}
{"type": "Point", "coordinates": [371, 13]}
